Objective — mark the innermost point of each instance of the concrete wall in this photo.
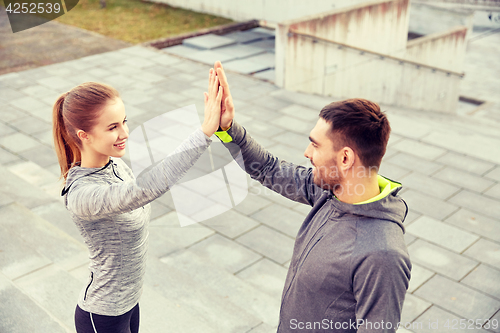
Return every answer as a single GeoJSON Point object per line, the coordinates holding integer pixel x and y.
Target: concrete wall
{"type": "Point", "coordinates": [444, 50]}
{"type": "Point", "coordinates": [362, 51]}
{"type": "Point", "coordinates": [331, 69]}
{"type": "Point", "coordinates": [268, 10]}
{"type": "Point", "coordinates": [427, 19]}
{"type": "Point", "coordinates": [380, 25]}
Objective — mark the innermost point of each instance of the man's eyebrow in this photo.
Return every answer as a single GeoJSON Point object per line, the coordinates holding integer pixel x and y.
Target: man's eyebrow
{"type": "Point", "coordinates": [313, 141]}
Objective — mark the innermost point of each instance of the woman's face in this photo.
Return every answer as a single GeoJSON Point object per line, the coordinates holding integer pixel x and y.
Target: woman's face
{"type": "Point", "coordinates": [108, 136]}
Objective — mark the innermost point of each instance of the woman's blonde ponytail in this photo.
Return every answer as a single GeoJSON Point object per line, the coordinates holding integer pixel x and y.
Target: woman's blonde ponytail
{"type": "Point", "coordinates": [67, 150]}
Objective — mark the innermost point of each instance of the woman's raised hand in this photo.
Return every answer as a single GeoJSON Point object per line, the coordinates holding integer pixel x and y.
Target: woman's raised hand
{"type": "Point", "coordinates": [212, 104]}
{"type": "Point", "coordinates": [227, 112]}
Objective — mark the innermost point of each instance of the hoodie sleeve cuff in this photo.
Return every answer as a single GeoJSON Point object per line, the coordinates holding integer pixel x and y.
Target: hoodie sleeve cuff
{"type": "Point", "coordinates": [223, 135]}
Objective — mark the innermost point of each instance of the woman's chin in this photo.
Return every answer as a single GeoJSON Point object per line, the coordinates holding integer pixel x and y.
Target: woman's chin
{"type": "Point", "coordinates": [118, 153]}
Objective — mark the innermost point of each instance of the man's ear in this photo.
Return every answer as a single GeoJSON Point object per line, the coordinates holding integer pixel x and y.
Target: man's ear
{"type": "Point", "coordinates": [347, 159]}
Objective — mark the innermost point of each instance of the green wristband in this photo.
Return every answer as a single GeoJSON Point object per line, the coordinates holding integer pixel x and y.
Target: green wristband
{"type": "Point", "coordinates": [224, 136]}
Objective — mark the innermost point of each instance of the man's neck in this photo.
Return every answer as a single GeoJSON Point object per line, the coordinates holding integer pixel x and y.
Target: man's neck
{"type": "Point", "coordinates": [356, 190]}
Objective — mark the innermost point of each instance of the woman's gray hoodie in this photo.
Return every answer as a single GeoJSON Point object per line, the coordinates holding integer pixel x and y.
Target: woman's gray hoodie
{"type": "Point", "coordinates": [110, 208]}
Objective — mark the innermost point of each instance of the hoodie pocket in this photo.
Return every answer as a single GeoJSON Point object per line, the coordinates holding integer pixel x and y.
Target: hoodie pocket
{"type": "Point", "coordinates": [91, 279]}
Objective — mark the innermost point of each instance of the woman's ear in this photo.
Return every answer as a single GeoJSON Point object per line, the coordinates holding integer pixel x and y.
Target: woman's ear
{"type": "Point", "coordinates": [84, 137]}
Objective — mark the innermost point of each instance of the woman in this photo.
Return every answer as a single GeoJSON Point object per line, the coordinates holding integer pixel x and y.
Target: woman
{"type": "Point", "coordinates": [109, 206]}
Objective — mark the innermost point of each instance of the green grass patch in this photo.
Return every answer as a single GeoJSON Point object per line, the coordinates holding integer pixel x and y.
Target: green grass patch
{"type": "Point", "coordinates": [135, 21]}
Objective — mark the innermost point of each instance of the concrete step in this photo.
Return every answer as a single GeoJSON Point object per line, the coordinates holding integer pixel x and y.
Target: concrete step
{"type": "Point", "coordinates": [55, 291]}
{"type": "Point", "coordinates": [21, 314]}
{"type": "Point", "coordinates": [201, 302]}
{"type": "Point", "coordinates": [39, 190]}
{"type": "Point", "coordinates": [158, 313]}
{"type": "Point", "coordinates": [415, 121]}
{"type": "Point", "coordinates": [14, 188]}
{"type": "Point", "coordinates": [207, 293]}
{"type": "Point", "coordinates": [231, 288]}
{"type": "Point", "coordinates": [35, 260]}
{"type": "Point", "coordinates": [478, 139]}
{"type": "Point", "coordinates": [30, 231]}
{"type": "Point", "coordinates": [37, 292]}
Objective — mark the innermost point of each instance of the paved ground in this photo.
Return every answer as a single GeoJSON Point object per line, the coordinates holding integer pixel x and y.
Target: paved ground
{"type": "Point", "coordinates": [227, 276]}
{"type": "Point", "coordinates": [247, 52]}
{"type": "Point", "coordinates": [482, 70]}
{"type": "Point", "coordinates": [35, 47]}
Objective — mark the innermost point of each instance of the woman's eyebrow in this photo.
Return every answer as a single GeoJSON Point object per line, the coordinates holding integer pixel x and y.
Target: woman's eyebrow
{"type": "Point", "coordinates": [117, 123]}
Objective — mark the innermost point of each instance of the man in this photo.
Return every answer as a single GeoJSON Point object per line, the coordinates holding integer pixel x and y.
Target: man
{"type": "Point", "coordinates": [350, 267]}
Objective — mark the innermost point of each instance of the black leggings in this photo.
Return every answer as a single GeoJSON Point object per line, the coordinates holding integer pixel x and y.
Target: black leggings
{"type": "Point", "coordinates": [87, 322]}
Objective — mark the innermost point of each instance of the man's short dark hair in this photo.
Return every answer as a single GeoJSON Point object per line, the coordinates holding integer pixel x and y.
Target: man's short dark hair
{"type": "Point", "coordinates": [360, 125]}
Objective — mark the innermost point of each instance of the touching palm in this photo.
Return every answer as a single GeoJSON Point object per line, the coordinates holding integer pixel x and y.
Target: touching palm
{"type": "Point", "coordinates": [227, 107]}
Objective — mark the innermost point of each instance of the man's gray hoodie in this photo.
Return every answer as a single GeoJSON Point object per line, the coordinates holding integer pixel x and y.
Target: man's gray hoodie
{"type": "Point", "coordinates": [350, 263]}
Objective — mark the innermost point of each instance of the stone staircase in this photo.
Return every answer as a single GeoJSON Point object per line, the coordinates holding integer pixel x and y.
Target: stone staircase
{"type": "Point", "coordinates": [43, 264]}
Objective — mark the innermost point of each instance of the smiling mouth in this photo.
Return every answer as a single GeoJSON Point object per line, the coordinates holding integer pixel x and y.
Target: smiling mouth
{"type": "Point", "coordinates": [121, 145]}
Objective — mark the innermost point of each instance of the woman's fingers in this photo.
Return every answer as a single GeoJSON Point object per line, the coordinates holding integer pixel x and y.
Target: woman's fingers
{"type": "Point", "coordinates": [213, 104]}
{"type": "Point", "coordinates": [211, 79]}
{"type": "Point", "coordinates": [215, 85]}
{"type": "Point", "coordinates": [219, 95]}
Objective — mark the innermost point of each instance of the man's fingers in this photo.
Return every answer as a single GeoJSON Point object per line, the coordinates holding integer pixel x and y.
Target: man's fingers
{"type": "Point", "coordinates": [218, 98]}
{"type": "Point", "coordinates": [217, 65]}
{"type": "Point", "coordinates": [219, 95]}
{"type": "Point", "coordinates": [215, 85]}
{"type": "Point", "coordinates": [229, 103]}
{"type": "Point", "coordinates": [222, 77]}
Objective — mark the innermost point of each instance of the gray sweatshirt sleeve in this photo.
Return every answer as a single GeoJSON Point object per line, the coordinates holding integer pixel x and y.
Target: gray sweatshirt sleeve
{"type": "Point", "coordinates": [290, 180]}
{"type": "Point", "coordinates": [86, 198]}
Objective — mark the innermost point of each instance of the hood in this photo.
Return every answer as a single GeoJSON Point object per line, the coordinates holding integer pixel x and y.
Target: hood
{"type": "Point", "coordinates": [388, 205]}
{"type": "Point", "coordinates": [78, 172]}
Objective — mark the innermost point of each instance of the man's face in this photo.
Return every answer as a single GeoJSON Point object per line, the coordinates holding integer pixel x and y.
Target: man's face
{"type": "Point", "coordinates": [323, 157]}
